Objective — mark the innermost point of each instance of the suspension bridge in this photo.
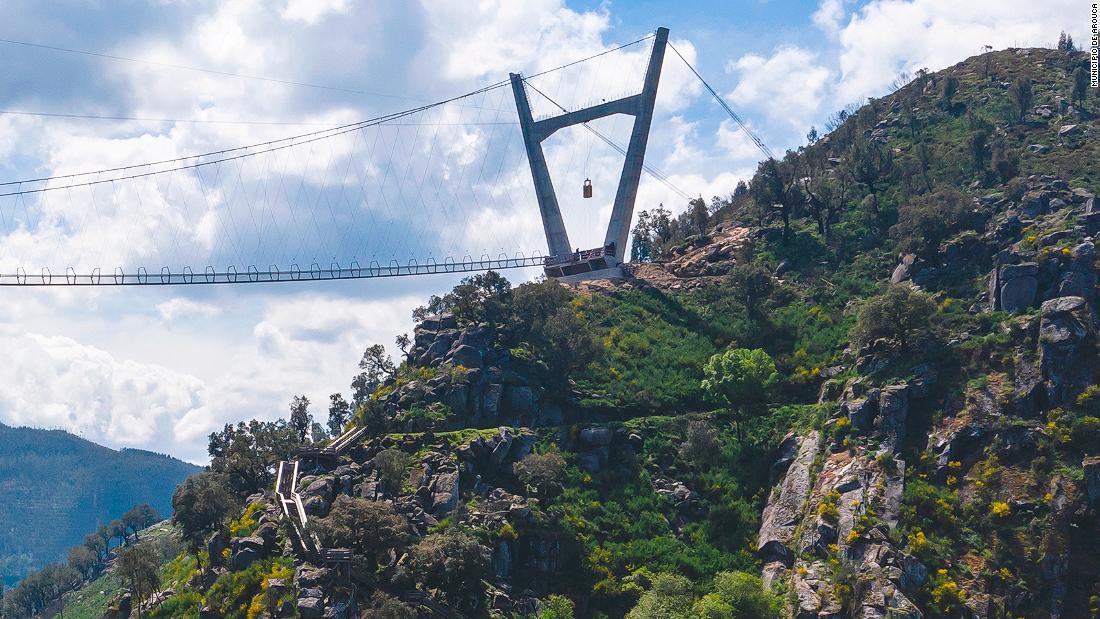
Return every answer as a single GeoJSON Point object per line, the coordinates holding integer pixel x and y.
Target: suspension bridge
{"type": "Point", "coordinates": [425, 190]}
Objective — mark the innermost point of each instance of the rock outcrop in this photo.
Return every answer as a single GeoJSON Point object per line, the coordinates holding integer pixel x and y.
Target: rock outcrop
{"type": "Point", "coordinates": [1067, 326]}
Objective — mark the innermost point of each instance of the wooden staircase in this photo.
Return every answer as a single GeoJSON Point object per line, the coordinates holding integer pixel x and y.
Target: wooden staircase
{"type": "Point", "coordinates": [337, 446]}
{"type": "Point", "coordinates": [286, 490]}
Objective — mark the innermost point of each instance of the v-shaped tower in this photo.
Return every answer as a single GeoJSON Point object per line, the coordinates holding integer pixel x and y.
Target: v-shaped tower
{"type": "Point", "coordinates": [563, 261]}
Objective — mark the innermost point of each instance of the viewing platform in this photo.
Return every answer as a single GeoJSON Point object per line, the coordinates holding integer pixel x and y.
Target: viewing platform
{"type": "Point", "coordinates": [598, 263]}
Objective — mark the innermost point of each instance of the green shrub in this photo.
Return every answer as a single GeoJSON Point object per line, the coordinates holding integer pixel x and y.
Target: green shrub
{"type": "Point", "coordinates": [232, 593]}
{"type": "Point", "coordinates": [181, 605]}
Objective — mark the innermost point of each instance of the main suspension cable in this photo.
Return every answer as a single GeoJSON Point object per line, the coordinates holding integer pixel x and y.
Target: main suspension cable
{"type": "Point", "coordinates": [737, 119]}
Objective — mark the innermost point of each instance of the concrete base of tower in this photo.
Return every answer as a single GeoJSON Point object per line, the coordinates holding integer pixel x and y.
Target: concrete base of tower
{"type": "Point", "coordinates": [615, 272]}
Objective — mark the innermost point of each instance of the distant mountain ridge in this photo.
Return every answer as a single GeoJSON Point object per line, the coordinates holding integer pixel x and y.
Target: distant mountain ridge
{"type": "Point", "coordinates": [57, 488]}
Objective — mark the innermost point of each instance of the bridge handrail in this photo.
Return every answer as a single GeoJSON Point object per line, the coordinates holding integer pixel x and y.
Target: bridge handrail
{"type": "Point", "coordinates": [231, 275]}
{"type": "Point", "coordinates": [581, 256]}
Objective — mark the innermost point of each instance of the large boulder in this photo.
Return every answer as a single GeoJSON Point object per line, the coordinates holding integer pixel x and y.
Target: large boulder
{"type": "Point", "coordinates": [490, 400]}
{"type": "Point", "coordinates": [445, 491]}
{"type": "Point", "coordinates": [1012, 287]}
{"type": "Point", "coordinates": [308, 576]}
{"type": "Point", "coordinates": [785, 504]}
{"type": "Point", "coordinates": [1092, 477]}
{"type": "Point", "coordinates": [519, 400]}
{"type": "Point", "coordinates": [466, 356]}
{"type": "Point", "coordinates": [244, 557]}
{"type": "Point", "coordinates": [480, 338]}
{"type": "Point", "coordinates": [785, 454]}
{"type": "Point", "coordinates": [1067, 324]}
{"type": "Point", "coordinates": [893, 406]}
{"type": "Point", "coordinates": [311, 607]}
{"type": "Point", "coordinates": [437, 322]}
{"type": "Point", "coordinates": [500, 445]}
{"type": "Point", "coordinates": [904, 270]}
{"type": "Point", "coordinates": [596, 437]}
{"type": "Point", "coordinates": [593, 460]}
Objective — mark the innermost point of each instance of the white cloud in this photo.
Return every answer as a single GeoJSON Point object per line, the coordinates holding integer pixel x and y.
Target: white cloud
{"type": "Point", "coordinates": [829, 15]}
{"type": "Point", "coordinates": [178, 307]}
{"type": "Point", "coordinates": [888, 37]}
{"type": "Point", "coordinates": [737, 144]}
{"type": "Point", "coordinates": [787, 86]}
{"type": "Point", "coordinates": [54, 381]}
{"type": "Point", "coordinates": [311, 11]}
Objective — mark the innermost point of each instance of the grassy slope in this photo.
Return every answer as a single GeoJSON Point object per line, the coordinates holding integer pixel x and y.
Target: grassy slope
{"type": "Point", "coordinates": [93, 599]}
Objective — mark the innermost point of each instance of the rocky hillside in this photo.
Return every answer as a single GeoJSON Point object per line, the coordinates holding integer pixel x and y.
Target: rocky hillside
{"type": "Point", "coordinates": [863, 385]}
{"type": "Point", "coordinates": [57, 488]}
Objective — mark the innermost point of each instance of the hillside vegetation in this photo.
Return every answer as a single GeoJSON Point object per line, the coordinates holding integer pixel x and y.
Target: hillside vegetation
{"type": "Point", "coordinates": [57, 488]}
{"type": "Point", "coordinates": [862, 385]}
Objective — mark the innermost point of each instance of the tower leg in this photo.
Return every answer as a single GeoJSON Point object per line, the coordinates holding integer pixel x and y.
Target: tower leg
{"type": "Point", "coordinates": [557, 240]}
{"type": "Point", "coordinates": [618, 228]}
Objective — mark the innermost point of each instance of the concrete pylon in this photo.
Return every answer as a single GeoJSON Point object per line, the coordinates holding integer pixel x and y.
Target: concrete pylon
{"type": "Point", "coordinates": [640, 106]}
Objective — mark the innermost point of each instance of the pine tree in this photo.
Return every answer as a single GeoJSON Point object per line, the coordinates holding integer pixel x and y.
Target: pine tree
{"type": "Point", "coordinates": [300, 419]}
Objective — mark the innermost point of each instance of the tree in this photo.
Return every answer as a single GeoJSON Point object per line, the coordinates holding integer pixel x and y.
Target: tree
{"type": "Point", "coordinates": [752, 283]}
{"type": "Point", "coordinates": [669, 597]}
{"type": "Point", "coordinates": [812, 137]}
{"type": "Point", "coordinates": [300, 419]}
{"type": "Point", "coordinates": [900, 316]}
{"type": "Point", "coordinates": [825, 198]}
{"type": "Point", "coordinates": [95, 543]}
{"type": "Point", "coordinates": [1080, 84]}
{"type": "Point", "coordinates": [543, 471]}
{"type": "Point", "coordinates": [118, 531]}
{"type": "Point", "coordinates": [774, 187]}
{"type": "Point", "coordinates": [739, 379]}
{"type": "Point", "coordinates": [339, 413]}
{"type": "Point", "coordinates": [565, 342]}
{"type": "Point", "coordinates": [371, 527]}
{"type": "Point", "coordinates": [103, 532]}
{"type": "Point", "coordinates": [746, 596]}
{"type": "Point", "coordinates": [385, 606]}
{"type": "Point", "coordinates": [480, 298]}
{"type": "Point", "coordinates": [701, 445]}
{"type": "Point", "coordinates": [200, 506]}
{"type": "Point", "coordinates": [928, 220]}
{"type": "Point", "coordinates": [376, 367]}
{"type": "Point", "coordinates": [83, 560]}
{"type": "Point", "coordinates": [950, 88]}
{"type": "Point", "coordinates": [1005, 162]}
{"type": "Point", "coordinates": [1065, 42]}
{"type": "Point", "coordinates": [140, 517]}
{"type": "Point", "coordinates": [138, 568]}
{"type": "Point", "coordinates": [870, 162]}
{"type": "Point", "coordinates": [248, 453]}
{"type": "Point", "coordinates": [534, 303]}
{"type": "Point", "coordinates": [979, 147]}
{"type": "Point", "coordinates": [451, 561]}
{"type": "Point", "coordinates": [392, 465]}
{"type": "Point", "coordinates": [1021, 95]}
{"type": "Point", "coordinates": [556, 607]}
{"type": "Point", "coordinates": [641, 239]}
{"type": "Point", "coordinates": [699, 216]}
{"type": "Point", "coordinates": [403, 343]}
{"type": "Point", "coordinates": [651, 234]}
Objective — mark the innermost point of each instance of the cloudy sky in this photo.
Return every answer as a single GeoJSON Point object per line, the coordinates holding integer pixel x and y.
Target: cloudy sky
{"type": "Point", "coordinates": [160, 368]}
